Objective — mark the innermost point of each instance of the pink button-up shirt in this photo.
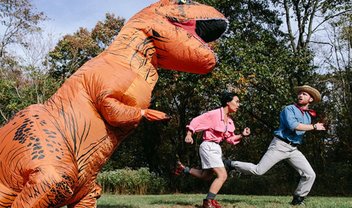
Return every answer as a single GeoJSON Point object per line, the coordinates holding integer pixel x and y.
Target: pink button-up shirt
{"type": "Point", "coordinates": [214, 127]}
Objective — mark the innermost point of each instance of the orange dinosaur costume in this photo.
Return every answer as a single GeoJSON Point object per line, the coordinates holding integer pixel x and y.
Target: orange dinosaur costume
{"type": "Point", "coordinates": [51, 153]}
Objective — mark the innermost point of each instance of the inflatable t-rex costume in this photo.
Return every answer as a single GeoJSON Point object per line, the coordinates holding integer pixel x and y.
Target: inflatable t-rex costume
{"type": "Point", "coordinates": [51, 153]}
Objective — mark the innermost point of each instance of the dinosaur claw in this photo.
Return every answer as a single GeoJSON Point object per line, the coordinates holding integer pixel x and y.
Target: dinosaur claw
{"type": "Point", "coordinates": [154, 115]}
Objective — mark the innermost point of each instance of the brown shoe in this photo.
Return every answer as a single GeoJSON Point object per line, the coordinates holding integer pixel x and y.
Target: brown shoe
{"type": "Point", "coordinates": [179, 168]}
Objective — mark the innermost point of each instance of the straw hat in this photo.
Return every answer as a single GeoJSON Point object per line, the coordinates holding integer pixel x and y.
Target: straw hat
{"type": "Point", "coordinates": [310, 90]}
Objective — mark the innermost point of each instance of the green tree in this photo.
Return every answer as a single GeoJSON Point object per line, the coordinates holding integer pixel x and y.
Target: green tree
{"type": "Point", "coordinates": [302, 20]}
{"type": "Point", "coordinates": [74, 50]}
{"type": "Point", "coordinates": [19, 90]}
{"type": "Point", "coordinates": [338, 101]}
{"type": "Point", "coordinates": [18, 18]}
{"type": "Point", "coordinates": [104, 32]}
{"type": "Point", "coordinates": [21, 85]}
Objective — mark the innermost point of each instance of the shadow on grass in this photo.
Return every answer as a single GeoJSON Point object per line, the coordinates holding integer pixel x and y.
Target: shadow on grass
{"type": "Point", "coordinates": [170, 202]}
{"type": "Point", "coordinates": [265, 201]}
{"type": "Point", "coordinates": [117, 206]}
{"type": "Point", "coordinates": [189, 204]}
{"type": "Point", "coordinates": [230, 201]}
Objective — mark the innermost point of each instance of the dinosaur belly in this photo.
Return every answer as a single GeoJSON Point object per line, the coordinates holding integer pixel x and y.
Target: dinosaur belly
{"type": "Point", "coordinates": [138, 93]}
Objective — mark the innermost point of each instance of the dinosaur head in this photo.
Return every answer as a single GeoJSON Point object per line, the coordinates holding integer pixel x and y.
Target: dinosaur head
{"type": "Point", "coordinates": [180, 31]}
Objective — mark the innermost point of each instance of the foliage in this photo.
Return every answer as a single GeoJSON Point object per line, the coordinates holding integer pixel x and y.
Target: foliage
{"type": "Point", "coordinates": [71, 53]}
{"type": "Point", "coordinates": [74, 50]}
{"type": "Point", "coordinates": [304, 18]}
{"type": "Point", "coordinates": [128, 181]}
{"type": "Point", "coordinates": [339, 95]}
{"type": "Point", "coordinates": [20, 87]}
{"type": "Point", "coordinates": [17, 19]}
{"type": "Point", "coordinates": [104, 32]}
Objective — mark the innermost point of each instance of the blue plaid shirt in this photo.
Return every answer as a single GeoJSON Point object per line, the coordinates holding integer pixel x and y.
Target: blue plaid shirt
{"type": "Point", "coordinates": [290, 117]}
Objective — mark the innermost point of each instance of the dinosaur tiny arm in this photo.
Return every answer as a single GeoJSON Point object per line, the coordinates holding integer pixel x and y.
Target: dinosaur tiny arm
{"type": "Point", "coordinates": [117, 113]}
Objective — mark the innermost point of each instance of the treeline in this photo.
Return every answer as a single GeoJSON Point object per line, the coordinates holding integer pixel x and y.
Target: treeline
{"type": "Point", "coordinates": [270, 47]}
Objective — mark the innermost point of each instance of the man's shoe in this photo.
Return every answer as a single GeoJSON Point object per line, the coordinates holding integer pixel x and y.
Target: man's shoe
{"type": "Point", "coordinates": [297, 200]}
{"type": "Point", "coordinates": [179, 168]}
{"type": "Point", "coordinates": [207, 203]}
{"type": "Point", "coordinates": [211, 203]}
{"type": "Point", "coordinates": [215, 203]}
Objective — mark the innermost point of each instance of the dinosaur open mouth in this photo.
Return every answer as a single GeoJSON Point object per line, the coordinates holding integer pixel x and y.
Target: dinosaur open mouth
{"type": "Point", "coordinates": [205, 30]}
{"type": "Point", "coordinates": [210, 30]}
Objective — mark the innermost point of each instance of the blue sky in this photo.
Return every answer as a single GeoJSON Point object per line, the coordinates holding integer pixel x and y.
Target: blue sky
{"type": "Point", "coordinates": [66, 16]}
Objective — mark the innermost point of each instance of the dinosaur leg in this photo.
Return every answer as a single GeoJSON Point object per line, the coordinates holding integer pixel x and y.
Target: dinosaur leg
{"type": "Point", "coordinates": [7, 196]}
{"type": "Point", "coordinates": [90, 200]}
{"type": "Point", "coordinates": [45, 188]}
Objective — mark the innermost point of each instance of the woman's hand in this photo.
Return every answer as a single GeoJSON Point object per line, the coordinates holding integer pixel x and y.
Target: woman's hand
{"type": "Point", "coordinates": [189, 138]}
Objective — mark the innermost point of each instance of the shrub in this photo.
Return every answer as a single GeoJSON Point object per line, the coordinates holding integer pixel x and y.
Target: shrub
{"type": "Point", "coordinates": [128, 181]}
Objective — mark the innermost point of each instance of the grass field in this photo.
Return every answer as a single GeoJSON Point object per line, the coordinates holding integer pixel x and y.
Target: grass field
{"type": "Point", "coordinates": [227, 201]}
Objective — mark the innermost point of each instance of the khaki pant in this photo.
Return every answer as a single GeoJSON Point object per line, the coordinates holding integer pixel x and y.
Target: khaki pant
{"type": "Point", "coordinates": [210, 155]}
{"type": "Point", "coordinates": [279, 150]}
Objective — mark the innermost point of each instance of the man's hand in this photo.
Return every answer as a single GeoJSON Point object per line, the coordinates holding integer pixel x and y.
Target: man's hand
{"type": "Point", "coordinates": [319, 127]}
{"type": "Point", "coordinates": [246, 132]}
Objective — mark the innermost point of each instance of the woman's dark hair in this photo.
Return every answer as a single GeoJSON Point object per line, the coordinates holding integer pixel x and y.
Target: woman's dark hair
{"type": "Point", "coordinates": [227, 97]}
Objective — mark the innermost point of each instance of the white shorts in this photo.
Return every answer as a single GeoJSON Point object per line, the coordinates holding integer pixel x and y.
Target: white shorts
{"type": "Point", "coordinates": [210, 155]}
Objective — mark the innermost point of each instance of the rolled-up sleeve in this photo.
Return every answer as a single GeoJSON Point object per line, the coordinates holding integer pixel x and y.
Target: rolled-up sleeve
{"type": "Point", "coordinates": [233, 139]}
{"type": "Point", "coordinates": [289, 118]}
{"type": "Point", "coordinates": [200, 123]}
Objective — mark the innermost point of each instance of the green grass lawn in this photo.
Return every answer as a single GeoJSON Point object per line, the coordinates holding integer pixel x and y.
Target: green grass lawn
{"type": "Point", "coordinates": [227, 201]}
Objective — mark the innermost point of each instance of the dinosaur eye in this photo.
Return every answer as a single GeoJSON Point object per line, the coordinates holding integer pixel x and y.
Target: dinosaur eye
{"type": "Point", "coordinates": [172, 19]}
{"type": "Point", "coordinates": [183, 1]}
